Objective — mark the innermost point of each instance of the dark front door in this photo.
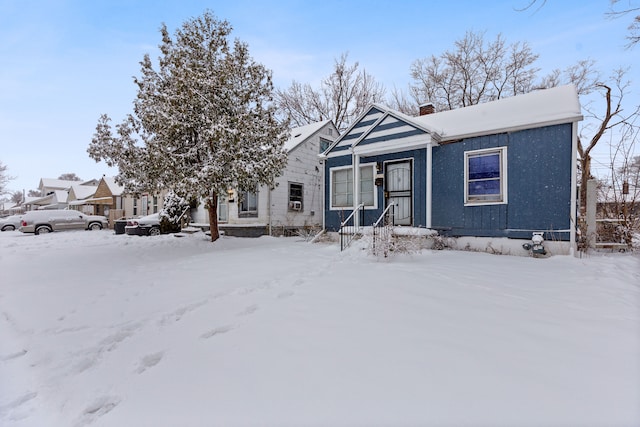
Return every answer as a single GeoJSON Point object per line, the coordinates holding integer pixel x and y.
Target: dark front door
{"type": "Point", "coordinates": [398, 184]}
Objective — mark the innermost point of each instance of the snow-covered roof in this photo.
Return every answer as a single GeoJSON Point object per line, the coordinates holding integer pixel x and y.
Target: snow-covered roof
{"type": "Point", "coordinates": [56, 183]}
{"type": "Point", "coordinates": [300, 134]}
{"type": "Point", "coordinates": [82, 191]}
{"type": "Point", "coordinates": [535, 109]}
{"type": "Point", "coordinates": [116, 190]}
{"type": "Point", "coordinates": [60, 196]}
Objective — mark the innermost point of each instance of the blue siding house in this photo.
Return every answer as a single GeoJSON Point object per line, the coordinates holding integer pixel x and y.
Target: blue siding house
{"type": "Point", "coordinates": [489, 175]}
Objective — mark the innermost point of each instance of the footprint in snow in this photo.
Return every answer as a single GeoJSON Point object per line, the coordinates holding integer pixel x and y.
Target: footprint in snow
{"type": "Point", "coordinates": [149, 361]}
{"type": "Point", "coordinates": [97, 409]}
{"type": "Point", "coordinates": [249, 310]}
{"type": "Point", "coordinates": [285, 294]}
{"type": "Point", "coordinates": [216, 331]}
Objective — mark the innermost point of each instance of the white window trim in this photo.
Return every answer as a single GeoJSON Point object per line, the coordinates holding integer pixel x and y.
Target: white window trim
{"type": "Point", "coordinates": [375, 191]}
{"type": "Point", "coordinates": [503, 176]}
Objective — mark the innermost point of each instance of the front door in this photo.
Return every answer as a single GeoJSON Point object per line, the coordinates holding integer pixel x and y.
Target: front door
{"type": "Point", "coordinates": [223, 209]}
{"type": "Point", "coordinates": [398, 184]}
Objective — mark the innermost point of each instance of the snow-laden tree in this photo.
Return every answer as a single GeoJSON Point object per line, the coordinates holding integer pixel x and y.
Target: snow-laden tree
{"type": "Point", "coordinates": [174, 208]}
{"type": "Point", "coordinates": [203, 122]}
{"type": "Point", "coordinates": [342, 96]}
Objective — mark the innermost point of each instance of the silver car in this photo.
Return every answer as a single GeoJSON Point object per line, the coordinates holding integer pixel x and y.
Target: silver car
{"type": "Point", "coordinates": [48, 220]}
{"type": "Point", "coordinates": [10, 223]}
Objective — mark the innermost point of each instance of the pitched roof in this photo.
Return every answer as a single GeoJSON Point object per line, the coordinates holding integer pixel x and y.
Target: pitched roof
{"type": "Point", "coordinates": [300, 134]}
{"type": "Point", "coordinates": [535, 109]}
{"type": "Point", "coordinates": [115, 188]}
{"type": "Point", "coordinates": [56, 183]}
{"type": "Point", "coordinates": [82, 191]}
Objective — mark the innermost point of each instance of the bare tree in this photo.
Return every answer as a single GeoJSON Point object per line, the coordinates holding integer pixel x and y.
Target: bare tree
{"type": "Point", "coordinates": [474, 72]}
{"type": "Point", "coordinates": [342, 96]}
{"type": "Point", "coordinates": [614, 13]}
{"type": "Point", "coordinates": [634, 26]}
{"type": "Point", "coordinates": [16, 197]}
{"type": "Point", "coordinates": [602, 116]}
{"type": "Point", "coordinates": [70, 177]}
{"type": "Point", "coordinates": [4, 178]}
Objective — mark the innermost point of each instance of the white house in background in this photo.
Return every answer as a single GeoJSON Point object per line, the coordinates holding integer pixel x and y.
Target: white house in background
{"type": "Point", "coordinates": [294, 203]}
{"type": "Point", "coordinates": [53, 193]}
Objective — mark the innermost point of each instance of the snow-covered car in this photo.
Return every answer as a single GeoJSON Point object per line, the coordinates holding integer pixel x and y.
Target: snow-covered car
{"type": "Point", "coordinates": [49, 220]}
{"type": "Point", "coordinates": [10, 223]}
{"type": "Point", "coordinates": [144, 226]}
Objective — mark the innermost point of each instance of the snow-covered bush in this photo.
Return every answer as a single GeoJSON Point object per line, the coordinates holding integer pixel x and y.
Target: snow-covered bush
{"type": "Point", "coordinates": [173, 212]}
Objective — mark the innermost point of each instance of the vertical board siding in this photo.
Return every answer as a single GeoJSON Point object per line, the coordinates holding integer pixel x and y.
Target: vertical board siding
{"type": "Point", "coordinates": [538, 192]}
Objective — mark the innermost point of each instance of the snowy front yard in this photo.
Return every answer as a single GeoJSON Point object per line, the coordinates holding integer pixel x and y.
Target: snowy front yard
{"type": "Point", "coordinates": [113, 330]}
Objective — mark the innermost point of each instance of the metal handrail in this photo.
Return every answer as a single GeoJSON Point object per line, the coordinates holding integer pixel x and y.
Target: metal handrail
{"type": "Point", "coordinates": [343, 223]}
{"type": "Point", "coordinates": [391, 205]}
{"type": "Point", "coordinates": [349, 230]}
{"type": "Point", "coordinates": [384, 230]}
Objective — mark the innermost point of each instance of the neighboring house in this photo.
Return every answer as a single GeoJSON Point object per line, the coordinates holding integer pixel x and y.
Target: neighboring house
{"type": "Point", "coordinates": [111, 201]}
{"type": "Point", "coordinates": [489, 174]}
{"type": "Point", "coordinates": [78, 196]}
{"type": "Point", "coordinates": [54, 199]}
{"type": "Point", "coordinates": [9, 208]}
{"type": "Point", "coordinates": [295, 202]}
{"type": "Point", "coordinates": [53, 193]}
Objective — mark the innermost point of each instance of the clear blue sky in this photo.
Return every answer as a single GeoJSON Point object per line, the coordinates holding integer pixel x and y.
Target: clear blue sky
{"type": "Point", "coordinates": [65, 62]}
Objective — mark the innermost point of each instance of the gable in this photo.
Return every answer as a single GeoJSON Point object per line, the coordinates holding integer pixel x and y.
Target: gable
{"type": "Point", "coordinates": [361, 126]}
{"type": "Point", "coordinates": [379, 131]}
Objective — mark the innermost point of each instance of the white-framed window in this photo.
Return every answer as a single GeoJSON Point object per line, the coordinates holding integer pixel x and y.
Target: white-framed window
{"type": "Point", "coordinates": [296, 195]}
{"type": "Point", "coordinates": [485, 176]}
{"type": "Point", "coordinates": [248, 203]}
{"type": "Point", "coordinates": [135, 207]}
{"type": "Point", "coordinates": [342, 186]}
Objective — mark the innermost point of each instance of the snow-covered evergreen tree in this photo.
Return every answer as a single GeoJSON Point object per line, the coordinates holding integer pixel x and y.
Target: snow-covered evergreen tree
{"type": "Point", "coordinates": [173, 209]}
{"type": "Point", "coordinates": [203, 122]}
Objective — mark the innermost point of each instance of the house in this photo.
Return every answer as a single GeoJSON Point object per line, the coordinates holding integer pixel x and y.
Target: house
{"type": "Point", "coordinates": [78, 196]}
{"type": "Point", "coordinates": [489, 175]}
{"type": "Point", "coordinates": [296, 200]}
{"type": "Point", "coordinates": [53, 193]}
{"type": "Point", "coordinates": [111, 201]}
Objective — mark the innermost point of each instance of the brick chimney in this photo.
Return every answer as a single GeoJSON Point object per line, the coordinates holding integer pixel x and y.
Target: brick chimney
{"type": "Point", "coordinates": [427, 108]}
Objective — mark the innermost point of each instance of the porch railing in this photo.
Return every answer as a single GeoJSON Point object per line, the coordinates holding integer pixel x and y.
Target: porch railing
{"type": "Point", "coordinates": [382, 230]}
{"type": "Point", "coordinates": [348, 227]}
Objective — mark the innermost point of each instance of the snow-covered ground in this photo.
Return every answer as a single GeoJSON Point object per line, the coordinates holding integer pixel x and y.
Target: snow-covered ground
{"type": "Point", "coordinates": [113, 330]}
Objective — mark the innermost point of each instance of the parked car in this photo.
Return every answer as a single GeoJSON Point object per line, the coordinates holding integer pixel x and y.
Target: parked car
{"type": "Point", "coordinates": [144, 226]}
{"type": "Point", "coordinates": [10, 223]}
{"type": "Point", "coordinates": [48, 220]}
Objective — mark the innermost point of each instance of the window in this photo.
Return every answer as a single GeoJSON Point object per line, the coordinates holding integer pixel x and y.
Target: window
{"type": "Point", "coordinates": [296, 192]}
{"type": "Point", "coordinates": [135, 207]}
{"type": "Point", "coordinates": [248, 203]}
{"type": "Point", "coordinates": [324, 144]}
{"type": "Point", "coordinates": [485, 176]}
{"type": "Point", "coordinates": [342, 187]}
{"type": "Point", "coordinates": [155, 204]}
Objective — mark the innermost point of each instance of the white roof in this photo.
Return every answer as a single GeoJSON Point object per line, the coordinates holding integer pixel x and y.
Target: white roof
{"type": "Point", "coordinates": [300, 134]}
{"type": "Point", "coordinates": [535, 109]}
{"type": "Point", "coordinates": [116, 190]}
{"type": "Point", "coordinates": [56, 183]}
{"type": "Point", "coordinates": [83, 191]}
